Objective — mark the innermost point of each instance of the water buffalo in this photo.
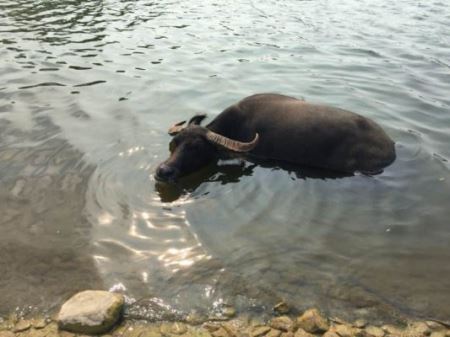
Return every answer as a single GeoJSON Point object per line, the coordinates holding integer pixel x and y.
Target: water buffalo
{"type": "Point", "coordinates": [280, 128]}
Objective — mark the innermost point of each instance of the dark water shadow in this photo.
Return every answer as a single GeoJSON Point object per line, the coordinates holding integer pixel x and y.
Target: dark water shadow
{"type": "Point", "coordinates": [232, 171]}
{"type": "Point", "coordinates": [45, 251]}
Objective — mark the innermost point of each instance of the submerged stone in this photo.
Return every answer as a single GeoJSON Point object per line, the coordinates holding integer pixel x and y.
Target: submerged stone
{"type": "Point", "coordinates": [360, 323]}
{"type": "Point", "coordinates": [228, 311]}
{"type": "Point", "coordinates": [194, 318]}
{"type": "Point", "coordinates": [91, 312]}
{"type": "Point", "coordinates": [281, 308]}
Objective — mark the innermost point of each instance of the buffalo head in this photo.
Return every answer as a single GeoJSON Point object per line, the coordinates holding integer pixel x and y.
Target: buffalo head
{"type": "Point", "coordinates": [194, 146]}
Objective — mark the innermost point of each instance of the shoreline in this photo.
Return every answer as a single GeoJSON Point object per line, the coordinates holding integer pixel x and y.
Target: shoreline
{"type": "Point", "coordinates": [310, 323]}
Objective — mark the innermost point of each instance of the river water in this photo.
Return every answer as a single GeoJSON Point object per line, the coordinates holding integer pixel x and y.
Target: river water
{"type": "Point", "coordinates": [88, 90]}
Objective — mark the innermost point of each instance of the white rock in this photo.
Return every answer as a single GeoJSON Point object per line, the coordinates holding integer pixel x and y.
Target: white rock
{"type": "Point", "coordinates": [91, 312]}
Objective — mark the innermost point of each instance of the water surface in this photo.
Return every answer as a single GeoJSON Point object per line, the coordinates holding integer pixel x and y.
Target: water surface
{"type": "Point", "coordinates": [88, 90]}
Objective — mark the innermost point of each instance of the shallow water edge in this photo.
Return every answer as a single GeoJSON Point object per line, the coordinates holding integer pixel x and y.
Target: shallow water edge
{"type": "Point", "coordinates": [283, 323]}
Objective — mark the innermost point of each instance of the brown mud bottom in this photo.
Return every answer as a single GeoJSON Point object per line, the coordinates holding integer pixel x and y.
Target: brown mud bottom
{"type": "Point", "coordinates": [311, 323]}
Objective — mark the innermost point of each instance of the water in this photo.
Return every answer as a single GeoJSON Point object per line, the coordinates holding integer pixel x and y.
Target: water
{"type": "Point", "coordinates": [87, 93]}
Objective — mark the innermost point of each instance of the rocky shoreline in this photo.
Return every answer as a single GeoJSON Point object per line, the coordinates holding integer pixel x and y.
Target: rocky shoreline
{"type": "Point", "coordinates": [310, 323]}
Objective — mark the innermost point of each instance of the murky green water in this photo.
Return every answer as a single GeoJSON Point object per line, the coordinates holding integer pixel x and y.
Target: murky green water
{"type": "Point", "coordinates": [88, 90]}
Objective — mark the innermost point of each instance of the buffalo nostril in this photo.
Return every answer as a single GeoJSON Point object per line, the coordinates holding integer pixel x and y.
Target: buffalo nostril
{"type": "Point", "coordinates": [165, 171]}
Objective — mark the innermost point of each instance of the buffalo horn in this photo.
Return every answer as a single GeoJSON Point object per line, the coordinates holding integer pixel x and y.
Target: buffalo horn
{"type": "Point", "coordinates": [197, 119]}
{"type": "Point", "coordinates": [231, 144]}
{"type": "Point", "coordinates": [176, 128]}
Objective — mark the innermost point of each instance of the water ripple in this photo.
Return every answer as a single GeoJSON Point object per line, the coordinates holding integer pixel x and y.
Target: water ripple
{"type": "Point", "coordinates": [44, 84]}
{"type": "Point", "coordinates": [89, 83]}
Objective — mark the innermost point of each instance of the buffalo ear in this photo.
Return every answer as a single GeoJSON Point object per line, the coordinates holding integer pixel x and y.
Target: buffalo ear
{"type": "Point", "coordinates": [197, 119]}
{"type": "Point", "coordinates": [176, 128]}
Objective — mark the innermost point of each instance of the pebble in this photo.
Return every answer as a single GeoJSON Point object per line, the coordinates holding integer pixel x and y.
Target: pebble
{"type": "Point", "coordinates": [438, 334]}
{"type": "Point", "coordinates": [330, 333]}
{"type": "Point", "coordinates": [283, 323]}
{"type": "Point", "coordinates": [435, 325]}
{"type": "Point", "coordinates": [310, 324]}
{"type": "Point", "coordinates": [259, 331]}
{"type": "Point", "coordinates": [392, 330]}
{"type": "Point", "coordinates": [66, 334]}
{"type": "Point", "coordinates": [287, 334]}
{"type": "Point", "coordinates": [302, 333]}
{"type": "Point", "coordinates": [6, 325]}
{"type": "Point", "coordinates": [344, 330]}
{"type": "Point", "coordinates": [228, 311]}
{"type": "Point", "coordinates": [178, 328]}
{"type": "Point", "coordinates": [22, 326]}
{"type": "Point", "coordinates": [230, 329]}
{"type": "Point", "coordinates": [360, 323]}
{"type": "Point", "coordinates": [211, 327]}
{"type": "Point", "coordinates": [195, 318]}
{"type": "Point", "coordinates": [419, 328]}
{"type": "Point", "coordinates": [374, 331]}
{"type": "Point", "coordinates": [50, 330]}
{"type": "Point", "coordinates": [7, 334]}
{"type": "Point", "coordinates": [273, 333]}
{"type": "Point", "coordinates": [221, 332]}
{"type": "Point", "coordinates": [150, 333]}
{"type": "Point", "coordinates": [165, 329]}
{"type": "Point", "coordinates": [201, 333]}
{"type": "Point", "coordinates": [312, 321]}
{"type": "Point", "coordinates": [133, 331]}
{"type": "Point", "coordinates": [40, 323]}
{"type": "Point", "coordinates": [281, 308]}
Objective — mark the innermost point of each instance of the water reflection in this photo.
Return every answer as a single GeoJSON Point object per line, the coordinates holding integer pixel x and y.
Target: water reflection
{"type": "Point", "coordinates": [45, 248]}
{"type": "Point", "coordinates": [232, 171]}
